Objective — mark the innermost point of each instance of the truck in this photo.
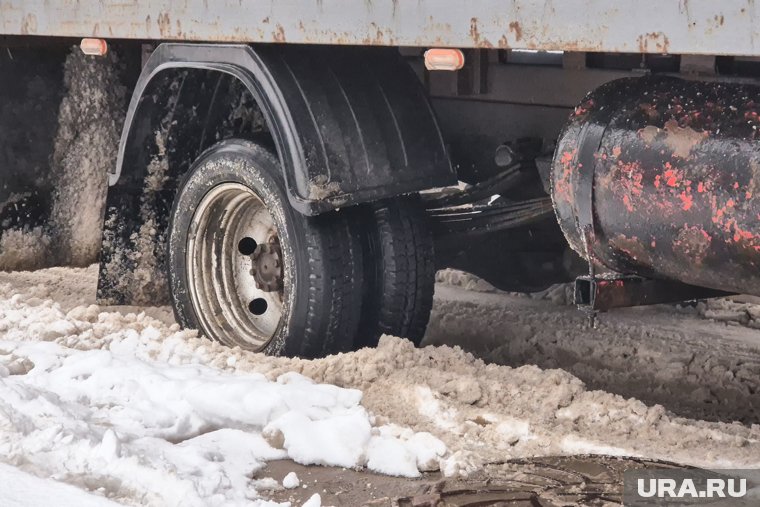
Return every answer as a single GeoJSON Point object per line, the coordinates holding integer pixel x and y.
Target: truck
{"type": "Point", "coordinates": [290, 175]}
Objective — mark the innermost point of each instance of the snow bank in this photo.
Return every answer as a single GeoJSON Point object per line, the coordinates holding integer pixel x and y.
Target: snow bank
{"type": "Point", "coordinates": [105, 399]}
{"type": "Point", "coordinates": [20, 489]}
{"type": "Point", "coordinates": [697, 368]}
{"type": "Point", "coordinates": [173, 434]}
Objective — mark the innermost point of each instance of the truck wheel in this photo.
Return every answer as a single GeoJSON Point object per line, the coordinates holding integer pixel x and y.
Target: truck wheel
{"type": "Point", "coordinates": [400, 271]}
{"type": "Point", "coordinates": [246, 269]}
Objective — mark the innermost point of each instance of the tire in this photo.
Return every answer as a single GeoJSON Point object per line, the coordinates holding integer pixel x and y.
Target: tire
{"type": "Point", "coordinates": [400, 271]}
{"type": "Point", "coordinates": [307, 270]}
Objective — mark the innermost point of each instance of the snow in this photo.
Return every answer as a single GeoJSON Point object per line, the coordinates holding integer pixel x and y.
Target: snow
{"type": "Point", "coordinates": [291, 481]}
{"type": "Point", "coordinates": [20, 489]}
{"type": "Point", "coordinates": [338, 441]}
{"type": "Point", "coordinates": [314, 501]}
{"type": "Point", "coordinates": [93, 397]}
{"type": "Point", "coordinates": [387, 455]}
{"type": "Point", "coordinates": [122, 403]}
{"type": "Point", "coordinates": [575, 445]}
{"type": "Point", "coordinates": [164, 434]}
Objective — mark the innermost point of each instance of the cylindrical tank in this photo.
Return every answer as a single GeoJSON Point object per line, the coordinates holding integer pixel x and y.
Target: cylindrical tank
{"type": "Point", "coordinates": [660, 177]}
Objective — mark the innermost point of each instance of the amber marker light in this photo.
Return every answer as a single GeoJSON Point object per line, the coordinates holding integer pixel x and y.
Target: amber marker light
{"type": "Point", "coordinates": [444, 59]}
{"type": "Point", "coordinates": [94, 47]}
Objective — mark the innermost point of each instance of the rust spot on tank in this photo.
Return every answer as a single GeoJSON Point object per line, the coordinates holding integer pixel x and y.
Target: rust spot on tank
{"type": "Point", "coordinates": [693, 244]}
{"type": "Point", "coordinates": [29, 24]}
{"type": "Point", "coordinates": [475, 36]}
{"type": "Point", "coordinates": [671, 176]}
{"type": "Point", "coordinates": [582, 109]}
{"type": "Point", "coordinates": [279, 34]}
{"type": "Point", "coordinates": [631, 247]}
{"type": "Point", "coordinates": [680, 140]}
{"type": "Point", "coordinates": [474, 31]}
{"type": "Point", "coordinates": [164, 24]}
{"type": "Point", "coordinates": [515, 28]}
{"type": "Point", "coordinates": [376, 39]}
{"type": "Point", "coordinates": [649, 110]}
{"type": "Point", "coordinates": [741, 233]}
{"type": "Point", "coordinates": [626, 182]}
{"type": "Point", "coordinates": [686, 200]}
{"type": "Point", "coordinates": [654, 42]}
{"type": "Point", "coordinates": [753, 188]}
{"type": "Point", "coordinates": [503, 42]}
{"type": "Point", "coordinates": [649, 134]}
{"type": "Point", "coordinates": [562, 184]}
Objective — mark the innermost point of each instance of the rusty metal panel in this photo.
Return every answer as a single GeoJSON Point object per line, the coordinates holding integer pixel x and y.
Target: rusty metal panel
{"type": "Point", "coordinates": [648, 26]}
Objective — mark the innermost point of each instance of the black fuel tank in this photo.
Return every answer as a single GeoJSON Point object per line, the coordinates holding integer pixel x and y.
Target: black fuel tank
{"type": "Point", "coordinates": [660, 177]}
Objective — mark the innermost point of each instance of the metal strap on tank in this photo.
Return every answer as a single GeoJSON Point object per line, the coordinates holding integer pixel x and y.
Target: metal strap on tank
{"type": "Point", "coordinates": [590, 141]}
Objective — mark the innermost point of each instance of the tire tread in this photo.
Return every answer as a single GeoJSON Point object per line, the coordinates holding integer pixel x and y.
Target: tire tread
{"type": "Point", "coordinates": [400, 297]}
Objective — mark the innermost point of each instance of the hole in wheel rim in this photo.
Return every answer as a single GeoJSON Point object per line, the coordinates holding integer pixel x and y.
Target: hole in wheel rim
{"type": "Point", "coordinates": [247, 246]}
{"type": "Point", "coordinates": [258, 306]}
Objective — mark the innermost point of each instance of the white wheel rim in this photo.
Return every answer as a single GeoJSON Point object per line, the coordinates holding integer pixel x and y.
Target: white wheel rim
{"type": "Point", "coordinates": [232, 305]}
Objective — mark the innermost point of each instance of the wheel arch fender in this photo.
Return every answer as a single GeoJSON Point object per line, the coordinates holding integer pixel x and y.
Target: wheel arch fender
{"type": "Point", "coordinates": [349, 125]}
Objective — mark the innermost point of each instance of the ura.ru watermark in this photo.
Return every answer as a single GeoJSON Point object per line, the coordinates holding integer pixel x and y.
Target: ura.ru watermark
{"type": "Point", "coordinates": [670, 488]}
{"type": "Point", "coordinates": [650, 487]}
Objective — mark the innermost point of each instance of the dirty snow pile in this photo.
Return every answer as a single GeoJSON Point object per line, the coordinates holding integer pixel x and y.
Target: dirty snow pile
{"type": "Point", "coordinates": [181, 432]}
{"type": "Point", "coordinates": [121, 402]}
{"type": "Point", "coordinates": [153, 426]}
